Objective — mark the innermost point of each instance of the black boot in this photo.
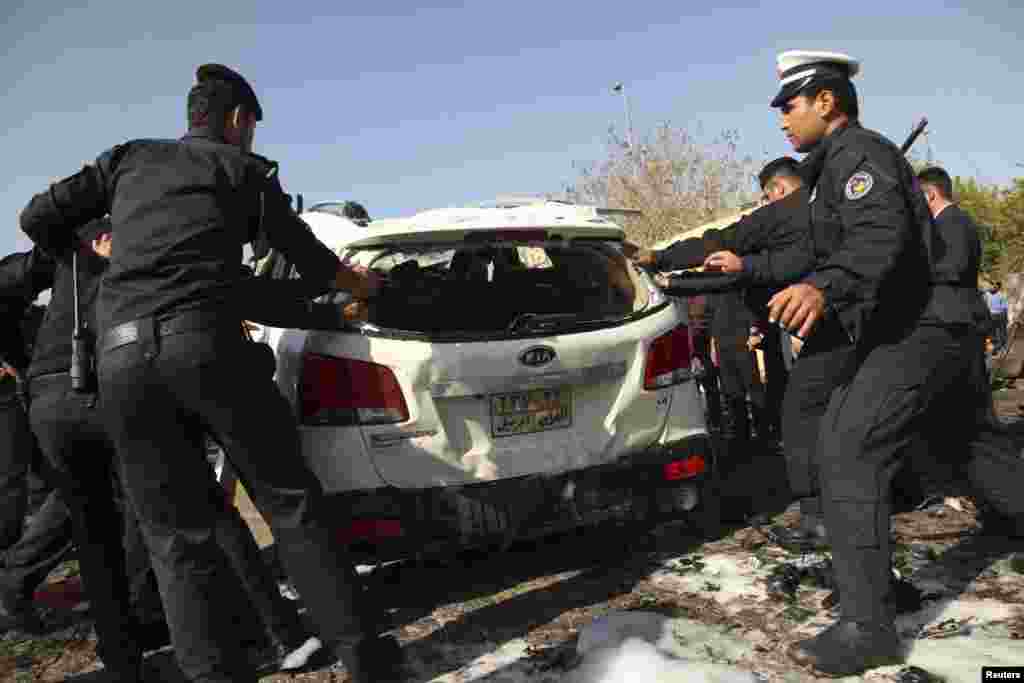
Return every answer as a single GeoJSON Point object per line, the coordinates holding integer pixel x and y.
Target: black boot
{"type": "Point", "coordinates": [903, 598]}
{"type": "Point", "coordinates": [848, 648]}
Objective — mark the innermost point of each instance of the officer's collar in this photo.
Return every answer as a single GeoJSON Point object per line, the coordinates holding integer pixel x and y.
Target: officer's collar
{"type": "Point", "coordinates": [812, 164]}
{"type": "Point", "coordinates": [202, 133]}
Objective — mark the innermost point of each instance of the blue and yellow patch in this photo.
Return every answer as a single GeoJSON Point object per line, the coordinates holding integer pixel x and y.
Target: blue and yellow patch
{"type": "Point", "coordinates": [859, 184]}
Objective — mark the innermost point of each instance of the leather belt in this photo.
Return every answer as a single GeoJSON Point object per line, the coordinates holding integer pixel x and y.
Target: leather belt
{"type": "Point", "coordinates": [131, 332]}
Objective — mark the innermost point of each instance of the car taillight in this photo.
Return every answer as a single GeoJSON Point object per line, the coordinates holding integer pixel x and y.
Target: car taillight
{"type": "Point", "coordinates": [686, 468]}
{"type": "Point", "coordinates": [668, 359]}
{"type": "Point", "coordinates": [344, 391]}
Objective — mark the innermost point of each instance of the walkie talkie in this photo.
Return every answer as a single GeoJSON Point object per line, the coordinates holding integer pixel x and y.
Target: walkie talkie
{"type": "Point", "coordinates": [83, 365]}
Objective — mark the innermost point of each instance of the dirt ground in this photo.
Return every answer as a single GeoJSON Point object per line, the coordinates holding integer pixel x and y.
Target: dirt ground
{"type": "Point", "coordinates": [450, 613]}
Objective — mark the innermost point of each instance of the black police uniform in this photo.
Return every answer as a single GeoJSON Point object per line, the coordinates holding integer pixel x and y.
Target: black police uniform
{"type": "Point", "coordinates": [730, 326]}
{"type": "Point", "coordinates": [73, 438]}
{"type": "Point", "coordinates": [779, 245]}
{"type": "Point", "coordinates": [774, 240]}
{"type": "Point", "coordinates": [171, 354]}
{"type": "Point", "coordinates": [700, 336]}
{"type": "Point", "coordinates": [989, 459]}
{"type": "Point", "coordinates": [28, 552]}
{"type": "Point", "coordinates": [262, 610]}
{"type": "Point", "coordinates": [877, 284]}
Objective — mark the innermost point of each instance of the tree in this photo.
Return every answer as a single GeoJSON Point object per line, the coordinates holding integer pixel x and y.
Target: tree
{"type": "Point", "coordinates": [674, 178]}
{"type": "Point", "coordinates": [999, 213]}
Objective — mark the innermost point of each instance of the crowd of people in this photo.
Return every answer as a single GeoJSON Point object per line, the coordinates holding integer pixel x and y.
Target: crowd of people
{"type": "Point", "coordinates": [868, 271]}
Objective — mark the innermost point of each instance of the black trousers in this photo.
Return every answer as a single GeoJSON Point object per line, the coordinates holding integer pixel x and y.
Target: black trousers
{"type": "Point", "coordinates": [709, 381]}
{"type": "Point", "coordinates": [921, 387]}
{"type": "Point", "coordinates": [819, 369]}
{"type": "Point", "coordinates": [156, 392]}
{"type": "Point", "coordinates": [737, 369]}
{"type": "Point", "coordinates": [776, 378]}
{"type": "Point", "coordinates": [28, 552]}
{"type": "Point", "coordinates": [255, 594]}
{"type": "Point", "coordinates": [74, 440]}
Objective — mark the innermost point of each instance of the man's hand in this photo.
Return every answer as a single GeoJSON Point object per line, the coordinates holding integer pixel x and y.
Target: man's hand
{"type": "Point", "coordinates": [359, 281]}
{"type": "Point", "coordinates": [754, 341]}
{"type": "Point", "coordinates": [798, 308]}
{"type": "Point", "coordinates": [355, 311]}
{"type": "Point", "coordinates": [661, 280]}
{"type": "Point", "coordinates": [639, 255]}
{"type": "Point", "coordinates": [724, 261]}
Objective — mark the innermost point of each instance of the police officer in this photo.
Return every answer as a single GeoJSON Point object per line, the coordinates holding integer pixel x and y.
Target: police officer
{"type": "Point", "coordinates": [171, 355]}
{"type": "Point", "coordinates": [876, 282]}
{"type": "Point", "coordinates": [773, 246]}
{"type": "Point", "coordinates": [773, 241]}
{"type": "Point", "coordinates": [826, 352]}
{"type": "Point", "coordinates": [72, 437]}
{"type": "Point", "coordinates": [28, 552]}
{"type": "Point", "coordinates": [994, 468]}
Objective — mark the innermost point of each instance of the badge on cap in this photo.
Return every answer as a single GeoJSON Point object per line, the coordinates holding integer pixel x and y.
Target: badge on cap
{"type": "Point", "coordinates": [859, 184]}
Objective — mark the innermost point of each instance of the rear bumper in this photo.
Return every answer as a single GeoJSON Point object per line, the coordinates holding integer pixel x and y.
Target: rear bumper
{"type": "Point", "coordinates": [658, 484]}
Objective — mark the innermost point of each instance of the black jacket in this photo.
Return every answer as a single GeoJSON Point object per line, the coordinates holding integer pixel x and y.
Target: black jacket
{"type": "Point", "coordinates": [773, 241]}
{"type": "Point", "coordinates": [869, 227]}
{"type": "Point", "coordinates": [180, 212]}
{"type": "Point", "coordinates": [23, 276]}
{"type": "Point", "coordinates": [52, 351]}
{"type": "Point", "coordinates": [956, 257]}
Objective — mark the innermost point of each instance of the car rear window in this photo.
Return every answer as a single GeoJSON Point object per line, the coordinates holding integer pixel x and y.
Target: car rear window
{"type": "Point", "coordinates": [505, 288]}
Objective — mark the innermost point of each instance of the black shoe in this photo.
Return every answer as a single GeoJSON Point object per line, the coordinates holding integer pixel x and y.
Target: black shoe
{"type": "Point", "coordinates": [18, 614]}
{"type": "Point", "coordinates": [848, 648]}
{"type": "Point", "coordinates": [903, 598]}
{"type": "Point", "coordinates": [374, 660]}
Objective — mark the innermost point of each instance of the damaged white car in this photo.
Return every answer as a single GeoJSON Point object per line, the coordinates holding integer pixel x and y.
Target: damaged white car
{"type": "Point", "coordinates": [517, 375]}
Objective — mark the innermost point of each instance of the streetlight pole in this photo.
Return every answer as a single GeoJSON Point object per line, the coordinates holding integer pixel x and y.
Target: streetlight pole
{"type": "Point", "coordinates": [621, 89]}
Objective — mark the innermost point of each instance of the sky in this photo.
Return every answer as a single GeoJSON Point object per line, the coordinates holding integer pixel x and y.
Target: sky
{"type": "Point", "coordinates": [407, 106]}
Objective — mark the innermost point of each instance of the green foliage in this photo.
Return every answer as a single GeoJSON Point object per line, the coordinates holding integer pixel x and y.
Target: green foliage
{"type": "Point", "coordinates": [999, 212]}
{"type": "Point", "coordinates": [1000, 380]}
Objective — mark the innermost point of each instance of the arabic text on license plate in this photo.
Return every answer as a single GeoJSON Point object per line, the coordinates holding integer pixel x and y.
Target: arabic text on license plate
{"type": "Point", "coordinates": [527, 412]}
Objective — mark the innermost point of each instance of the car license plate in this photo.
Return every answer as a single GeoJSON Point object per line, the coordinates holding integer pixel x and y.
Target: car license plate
{"type": "Point", "coordinates": [528, 412]}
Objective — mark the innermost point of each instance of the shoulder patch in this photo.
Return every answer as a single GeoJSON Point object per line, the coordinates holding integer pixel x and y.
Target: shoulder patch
{"type": "Point", "coordinates": [859, 184]}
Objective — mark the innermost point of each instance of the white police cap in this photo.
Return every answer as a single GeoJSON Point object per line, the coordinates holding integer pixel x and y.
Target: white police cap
{"type": "Point", "coordinates": [799, 69]}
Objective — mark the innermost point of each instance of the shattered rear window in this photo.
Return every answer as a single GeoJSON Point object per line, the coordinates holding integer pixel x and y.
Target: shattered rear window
{"type": "Point", "coordinates": [503, 288]}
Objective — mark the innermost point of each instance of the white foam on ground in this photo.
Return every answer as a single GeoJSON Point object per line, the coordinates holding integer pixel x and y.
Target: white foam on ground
{"type": "Point", "coordinates": [636, 661]}
{"type": "Point", "coordinates": [644, 647]}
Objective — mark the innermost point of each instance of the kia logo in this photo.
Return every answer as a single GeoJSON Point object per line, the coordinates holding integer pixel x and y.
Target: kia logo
{"type": "Point", "coordinates": [536, 356]}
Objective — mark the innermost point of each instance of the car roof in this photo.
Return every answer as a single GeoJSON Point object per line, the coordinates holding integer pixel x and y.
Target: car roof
{"type": "Point", "coordinates": [443, 225]}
